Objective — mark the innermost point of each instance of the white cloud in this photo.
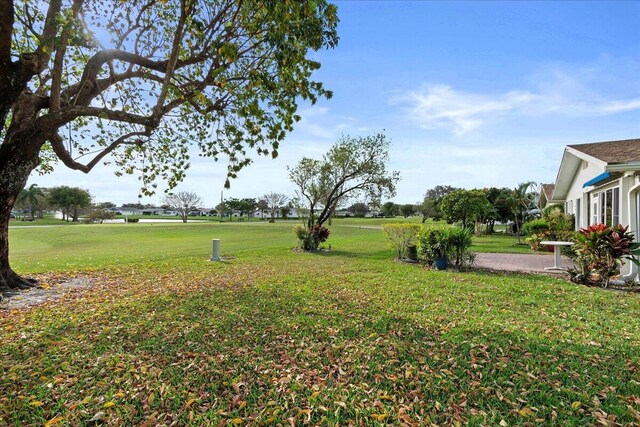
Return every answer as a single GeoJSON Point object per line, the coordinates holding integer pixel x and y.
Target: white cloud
{"type": "Point", "coordinates": [435, 106]}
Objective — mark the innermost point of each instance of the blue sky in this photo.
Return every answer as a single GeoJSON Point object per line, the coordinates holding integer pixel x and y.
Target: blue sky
{"type": "Point", "coordinates": [472, 94]}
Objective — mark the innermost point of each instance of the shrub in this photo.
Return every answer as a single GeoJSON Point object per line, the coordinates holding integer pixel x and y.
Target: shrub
{"type": "Point", "coordinates": [599, 251]}
{"type": "Point", "coordinates": [536, 226]}
{"type": "Point", "coordinates": [551, 208]}
{"type": "Point", "coordinates": [555, 225]}
{"type": "Point", "coordinates": [98, 215]}
{"type": "Point", "coordinates": [534, 241]}
{"type": "Point", "coordinates": [432, 244]}
{"type": "Point", "coordinates": [310, 239]}
{"type": "Point", "coordinates": [401, 236]}
{"type": "Point", "coordinates": [133, 219]}
{"type": "Point", "coordinates": [460, 240]}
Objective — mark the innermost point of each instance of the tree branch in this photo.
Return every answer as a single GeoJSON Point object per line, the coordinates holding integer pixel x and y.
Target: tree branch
{"type": "Point", "coordinates": [173, 58]}
{"type": "Point", "coordinates": [68, 114]}
{"type": "Point", "coordinates": [62, 153]}
{"type": "Point", "coordinates": [58, 62]}
{"type": "Point", "coordinates": [88, 82]}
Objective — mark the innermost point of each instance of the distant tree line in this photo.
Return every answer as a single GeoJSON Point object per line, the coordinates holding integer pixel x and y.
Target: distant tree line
{"type": "Point", "coordinates": [34, 201]}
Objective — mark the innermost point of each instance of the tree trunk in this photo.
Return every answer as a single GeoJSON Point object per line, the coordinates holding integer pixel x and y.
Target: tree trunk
{"type": "Point", "coordinates": [19, 155]}
{"type": "Point", "coordinates": [16, 164]}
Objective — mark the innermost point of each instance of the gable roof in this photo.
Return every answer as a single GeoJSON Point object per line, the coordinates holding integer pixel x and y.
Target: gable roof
{"type": "Point", "coordinates": [609, 156]}
{"type": "Point", "coordinates": [612, 152]}
{"type": "Point", "coordinates": [547, 190]}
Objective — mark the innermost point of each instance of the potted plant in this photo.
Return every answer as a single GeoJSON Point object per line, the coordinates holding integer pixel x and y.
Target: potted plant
{"type": "Point", "coordinates": [441, 250]}
{"type": "Point", "coordinates": [433, 245]}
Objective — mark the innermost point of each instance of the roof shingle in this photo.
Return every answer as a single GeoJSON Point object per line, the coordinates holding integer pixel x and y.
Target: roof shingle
{"type": "Point", "coordinates": [612, 152]}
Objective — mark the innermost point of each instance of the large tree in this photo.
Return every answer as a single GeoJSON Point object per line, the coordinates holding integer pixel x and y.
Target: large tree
{"type": "Point", "coordinates": [359, 209]}
{"type": "Point", "coordinates": [183, 202]}
{"type": "Point", "coordinates": [430, 206]}
{"type": "Point", "coordinates": [390, 209]}
{"type": "Point", "coordinates": [141, 81]}
{"type": "Point", "coordinates": [407, 210]}
{"type": "Point", "coordinates": [70, 201]}
{"type": "Point", "coordinates": [353, 168]}
{"type": "Point", "coordinates": [466, 206]}
{"type": "Point", "coordinates": [247, 206]}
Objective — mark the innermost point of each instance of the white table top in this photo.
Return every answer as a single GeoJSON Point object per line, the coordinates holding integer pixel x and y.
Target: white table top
{"type": "Point", "coordinates": [555, 243]}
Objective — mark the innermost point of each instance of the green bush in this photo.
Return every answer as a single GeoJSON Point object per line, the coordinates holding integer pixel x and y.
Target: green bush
{"type": "Point", "coordinates": [555, 225]}
{"type": "Point", "coordinates": [460, 240]}
{"type": "Point", "coordinates": [536, 226]}
{"type": "Point", "coordinates": [401, 236]}
{"type": "Point", "coordinates": [310, 240]}
{"type": "Point", "coordinates": [432, 244]}
{"type": "Point", "coordinates": [133, 219]}
{"type": "Point", "coordinates": [98, 216]}
{"type": "Point", "coordinates": [551, 208]}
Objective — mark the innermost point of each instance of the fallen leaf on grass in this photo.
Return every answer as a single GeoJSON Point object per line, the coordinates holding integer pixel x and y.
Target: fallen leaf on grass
{"type": "Point", "coordinates": [97, 417]}
{"type": "Point", "coordinates": [526, 412]}
{"type": "Point", "coordinates": [53, 421]}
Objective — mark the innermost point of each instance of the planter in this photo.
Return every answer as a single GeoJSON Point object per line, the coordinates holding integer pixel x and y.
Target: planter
{"type": "Point", "coordinates": [440, 263]}
{"type": "Point", "coordinates": [412, 253]}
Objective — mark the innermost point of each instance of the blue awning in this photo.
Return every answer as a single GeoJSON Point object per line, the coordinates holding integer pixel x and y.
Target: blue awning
{"type": "Point", "coordinates": [597, 179]}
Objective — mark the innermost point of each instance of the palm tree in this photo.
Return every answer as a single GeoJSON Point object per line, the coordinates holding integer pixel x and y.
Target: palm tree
{"type": "Point", "coordinates": [520, 200]}
{"type": "Point", "coordinates": [30, 198]}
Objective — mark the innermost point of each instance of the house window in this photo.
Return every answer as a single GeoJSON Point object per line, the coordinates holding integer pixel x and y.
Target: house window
{"type": "Point", "coordinates": [578, 213]}
{"type": "Point", "coordinates": [595, 217]}
{"type": "Point", "coordinates": [609, 212]}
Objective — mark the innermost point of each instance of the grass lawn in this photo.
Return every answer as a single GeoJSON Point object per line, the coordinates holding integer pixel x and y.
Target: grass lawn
{"type": "Point", "coordinates": [274, 337]}
{"type": "Point", "coordinates": [501, 243]}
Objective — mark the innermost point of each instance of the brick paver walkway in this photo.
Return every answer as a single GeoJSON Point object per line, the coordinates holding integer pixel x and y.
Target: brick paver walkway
{"type": "Point", "coordinates": [524, 263]}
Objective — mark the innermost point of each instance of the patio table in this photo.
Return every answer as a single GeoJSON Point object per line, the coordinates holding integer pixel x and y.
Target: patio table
{"type": "Point", "coordinates": [557, 245]}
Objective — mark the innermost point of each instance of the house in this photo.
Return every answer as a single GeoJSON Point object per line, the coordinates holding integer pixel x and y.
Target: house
{"type": "Point", "coordinates": [126, 210]}
{"type": "Point", "coordinates": [600, 183]}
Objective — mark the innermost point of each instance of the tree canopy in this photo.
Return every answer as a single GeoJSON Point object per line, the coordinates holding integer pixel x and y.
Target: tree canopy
{"type": "Point", "coordinates": [70, 200]}
{"type": "Point", "coordinates": [138, 83]}
{"type": "Point", "coordinates": [466, 206]}
{"type": "Point", "coordinates": [430, 206]}
{"type": "Point", "coordinates": [353, 168]}
{"type": "Point", "coordinates": [359, 209]}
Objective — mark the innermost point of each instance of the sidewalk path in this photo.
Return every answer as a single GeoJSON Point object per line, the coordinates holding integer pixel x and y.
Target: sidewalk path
{"type": "Point", "coordinates": [525, 263]}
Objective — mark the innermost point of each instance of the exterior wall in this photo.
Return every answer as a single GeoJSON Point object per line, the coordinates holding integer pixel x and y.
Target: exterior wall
{"type": "Point", "coordinates": [586, 172]}
{"type": "Point", "coordinates": [628, 203]}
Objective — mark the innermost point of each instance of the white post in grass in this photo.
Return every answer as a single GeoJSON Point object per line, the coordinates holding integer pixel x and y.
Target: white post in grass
{"type": "Point", "coordinates": [215, 250]}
